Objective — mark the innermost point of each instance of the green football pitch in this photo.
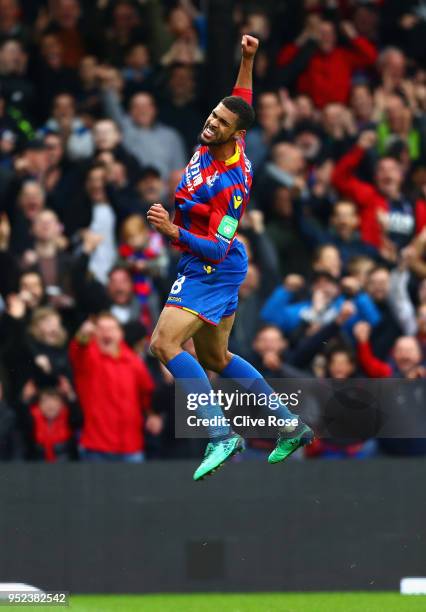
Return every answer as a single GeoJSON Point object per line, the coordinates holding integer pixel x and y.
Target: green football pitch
{"type": "Point", "coordinates": [257, 602]}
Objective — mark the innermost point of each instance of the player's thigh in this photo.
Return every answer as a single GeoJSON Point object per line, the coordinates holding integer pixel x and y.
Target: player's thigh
{"type": "Point", "coordinates": [211, 344]}
{"type": "Point", "coordinates": [174, 327]}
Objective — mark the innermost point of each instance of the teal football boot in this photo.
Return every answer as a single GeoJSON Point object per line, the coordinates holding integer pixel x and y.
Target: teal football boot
{"type": "Point", "coordinates": [217, 453]}
{"type": "Point", "coordinates": [287, 445]}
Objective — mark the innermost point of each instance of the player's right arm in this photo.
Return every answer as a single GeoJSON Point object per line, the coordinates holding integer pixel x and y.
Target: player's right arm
{"type": "Point", "coordinates": [244, 84]}
{"type": "Point", "coordinates": [222, 228]}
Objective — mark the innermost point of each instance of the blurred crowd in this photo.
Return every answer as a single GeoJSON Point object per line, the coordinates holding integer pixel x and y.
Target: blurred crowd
{"type": "Point", "coordinates": [101, 104]}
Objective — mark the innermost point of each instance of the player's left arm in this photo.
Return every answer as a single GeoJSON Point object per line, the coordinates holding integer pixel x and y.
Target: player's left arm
{"type": "Point", "coordinates": [244, 84]}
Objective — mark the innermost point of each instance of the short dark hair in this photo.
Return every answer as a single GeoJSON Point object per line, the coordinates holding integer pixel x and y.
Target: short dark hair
{"type": "Point", "coordinates": [148, 172]}
{"type": "Point", "coordinates": [120, 267]}
{"type": "Point", "coordinates": [338, 348]}
{"type": "Point", "coordinates": [241, 108]}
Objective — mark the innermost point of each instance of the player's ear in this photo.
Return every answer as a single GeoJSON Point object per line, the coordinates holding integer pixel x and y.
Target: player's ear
{"type": "Point", "coordinates": [240, 135]}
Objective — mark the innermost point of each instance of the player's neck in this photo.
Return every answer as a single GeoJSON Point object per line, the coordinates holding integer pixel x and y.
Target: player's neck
{"type": "Point", "coordinates": [224, 151]}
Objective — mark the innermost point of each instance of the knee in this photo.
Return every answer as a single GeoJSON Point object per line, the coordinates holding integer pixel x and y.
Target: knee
{"type": "Point", "coordinates": [161, 348]}
{"type": "Point", "coordinates": [215, 363]}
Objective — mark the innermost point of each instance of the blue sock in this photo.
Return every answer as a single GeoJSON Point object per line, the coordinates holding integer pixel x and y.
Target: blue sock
{"type": "Point", "coordinates": [251, 379]}
{"type": "Point", "coordinates": [193, 379]}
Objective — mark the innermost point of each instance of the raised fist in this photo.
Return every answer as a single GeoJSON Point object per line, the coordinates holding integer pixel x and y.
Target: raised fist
{"type": "Point", "coordinates": [362, 331]}
{"type": "Point", "coordinates": [367, 140]}
{"type": "Point", "coordinates": [249, 46]}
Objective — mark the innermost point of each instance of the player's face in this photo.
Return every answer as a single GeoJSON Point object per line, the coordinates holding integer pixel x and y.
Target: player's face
{"type": "Point", "coordinates": [220, 127]}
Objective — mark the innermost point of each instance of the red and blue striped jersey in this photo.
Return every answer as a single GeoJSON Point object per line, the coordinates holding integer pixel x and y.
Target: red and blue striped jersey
{"type": "Point", "coordinates": [211, 199]}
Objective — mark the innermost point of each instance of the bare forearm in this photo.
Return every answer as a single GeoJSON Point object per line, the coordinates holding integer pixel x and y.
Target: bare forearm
{"type": "Point", "coordinates": [249, 45]}
{"type": "Point", "coordinates": [245, 74]}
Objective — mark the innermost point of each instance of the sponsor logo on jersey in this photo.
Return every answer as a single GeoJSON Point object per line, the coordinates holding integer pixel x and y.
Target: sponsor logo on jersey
{"type": "Point", "coordinates": [238, 200]}
{"type": "Point", "coordinates": [193, 176]}
{"type": "Point", "coordinates": [209, 269]}
{"type": "Point", "coordinates": [210, 180]}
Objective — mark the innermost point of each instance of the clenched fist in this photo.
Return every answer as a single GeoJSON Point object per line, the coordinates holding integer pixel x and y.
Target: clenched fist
{"type": "Point", "coordinates": [249, 46]}
{"type": "Point", "coordinates": [159, 218]}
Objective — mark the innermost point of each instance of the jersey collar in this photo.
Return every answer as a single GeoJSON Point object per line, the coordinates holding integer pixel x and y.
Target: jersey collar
{"type": "Point", "coordinates": [234, 158]}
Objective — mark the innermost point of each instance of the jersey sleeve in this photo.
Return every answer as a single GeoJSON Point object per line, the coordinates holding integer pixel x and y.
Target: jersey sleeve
{"type": "Point", "coordinates": [245, 94]}
{"type": "Point", "coordinates": [224, 220]}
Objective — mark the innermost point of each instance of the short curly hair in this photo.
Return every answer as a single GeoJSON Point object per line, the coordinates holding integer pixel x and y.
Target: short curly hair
{"type": "Point", "coordinates": [242, 109]}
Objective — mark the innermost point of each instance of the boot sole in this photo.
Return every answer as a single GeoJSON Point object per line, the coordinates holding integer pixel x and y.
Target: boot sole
{"type": "Point", "coordinates": [240, 447]}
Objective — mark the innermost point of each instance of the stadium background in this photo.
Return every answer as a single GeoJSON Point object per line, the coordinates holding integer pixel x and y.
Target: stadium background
{"type": "Point", "coordinates": [100, 107]}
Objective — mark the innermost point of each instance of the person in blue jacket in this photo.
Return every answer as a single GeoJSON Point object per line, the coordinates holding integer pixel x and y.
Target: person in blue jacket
{"type": "Point", "coordinates": [322, 307]}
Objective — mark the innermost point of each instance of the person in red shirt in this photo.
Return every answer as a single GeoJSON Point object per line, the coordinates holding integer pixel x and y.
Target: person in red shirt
{"type": "Point", "coordinates": [323, 68]}
{"type": "Point", "coordinates": [51, 427]}
{"type": "Point", "coordinates": [115, 389]}
{"type": "Point", "coordinates": [388, 218]}
{"type": "Point", "coordinates": [405, 362]}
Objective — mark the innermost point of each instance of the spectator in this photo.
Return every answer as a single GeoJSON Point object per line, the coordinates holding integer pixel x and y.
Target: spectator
{"type": "Point", "coordinates": [126, 29]}
{"type": "Point", "coordinates": [341, 366]}
{"type": "Point", "coordinates": [406, 24]}
{"type": "Point", "coordinates": [327, 259]}
{"type": "Point", "coordinates": [51, 428]}
{"type": "Point", "coordinates": [49, 259]}
{"type": "Point", "coordinates": [392, 65]}
{"type": "Point", "coordinates": [185, 47]}
{"type": "Point", "coordinates": [108, 139]}
{"type": "Point", "coordinates": [324, 70]}
{"type": "Point", "coordinates": [143, 135]}
{"type": "Point", "coordinates": [362, 107]}
{"type": "Point", "coordinates": [65, 20]}
{"type": "Point", "coordinates": [286, 168]}
{"type": "Point", "coordinates": [11, 25]}
{"type": "Point", "coordinates": [64, 121]}
{"type": "Point", "coordinates": [52, 75]}
{"type": "Point", "coordinates": [138, 74]}
{"type": "Point", "coordinates": [270, 122]}
{"type": "Point", "coordinates": [119, 387]}
{"type": "Point", "coordinates": [31, 290]}
{"type": "Point", "coordinates": [34, 346]}
{"type": "Point", "coordinates": [324, 305]}
{"type": "Point", "coordinates": [31, 201]}
{"type": "Point", "coordinates": [406, 356]}
{"type": "Point", "coordinates": [89, 100]}
{"type": "Point", "coordinates": [14, 82]}
{"type": "Point", "coordinates": [150, 188]}
{"type": "Point", "coordinates": [343, 232]}
{"type": "Point", "coordinates": [102, 223]}
{"type": "Point", "coordinates": [389, 329]}
{"type": "Point", "coordinates": [62, 177]}
{"type": "Point", "coordinates": [282, 230]}
{"type": "Point", "coordinates": [399, 126]}
{"type": "Point", "coordinates": [388, 217]}
{"type": "Point", "coordinates": [118, 296]}
{"type": "Point", "coordinates": [143, 250]}
{"type": "Point", "coordinates": [180, 106]}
